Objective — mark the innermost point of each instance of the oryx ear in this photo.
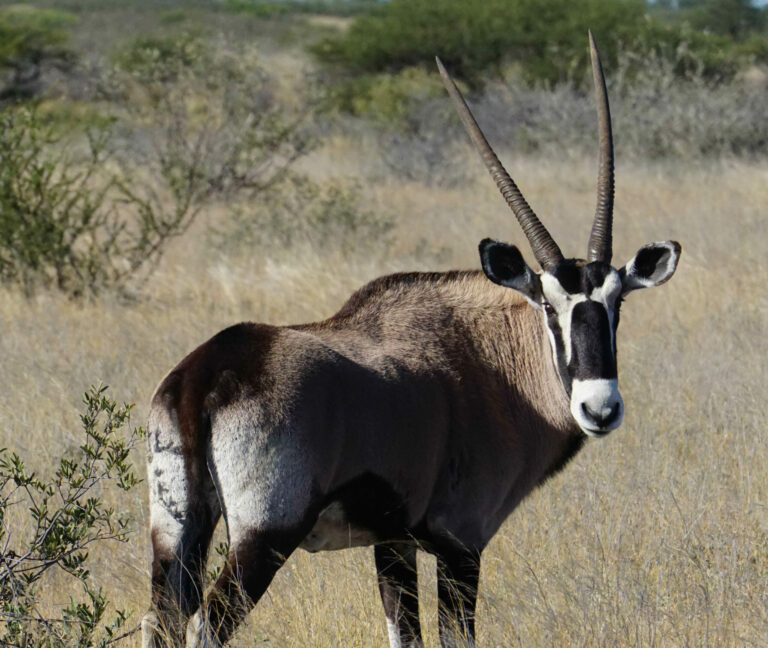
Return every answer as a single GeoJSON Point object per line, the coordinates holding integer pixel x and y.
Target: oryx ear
{"type": "Point", "coordinates": [653, 264]}
{"type": "Point", "coordinates": [503, 264]}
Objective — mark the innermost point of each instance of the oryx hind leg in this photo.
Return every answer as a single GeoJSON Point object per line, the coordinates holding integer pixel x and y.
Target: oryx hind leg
{"type": "Point", "coordinates": [265, 481]}
{"type": "Point", "coordinates": [398, 586]}
{"type": "Point", "coordinates": [184, 510]}
{"type": "Point", "coordinates": [458, 575]}
{"type": "Point", "coordinates": [250, 566]}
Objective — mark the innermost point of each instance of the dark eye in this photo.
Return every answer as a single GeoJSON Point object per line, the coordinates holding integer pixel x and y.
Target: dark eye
{"type": "Point", "coordinates": [548, 308]}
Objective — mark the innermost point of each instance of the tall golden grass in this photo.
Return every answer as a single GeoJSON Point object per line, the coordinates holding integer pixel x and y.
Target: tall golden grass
{"type": "Point", "coordinates": [655, 536]}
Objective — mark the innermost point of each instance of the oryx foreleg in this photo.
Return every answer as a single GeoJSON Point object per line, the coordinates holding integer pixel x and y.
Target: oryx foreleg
{"type": "Point", "coordinates": [398, 586]}
{"type": "Point", "coordinates": [458, 574]}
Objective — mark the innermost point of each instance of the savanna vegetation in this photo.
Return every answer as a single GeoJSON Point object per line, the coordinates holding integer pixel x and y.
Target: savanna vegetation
{"type": "Point", "coordinates": [168, 169]}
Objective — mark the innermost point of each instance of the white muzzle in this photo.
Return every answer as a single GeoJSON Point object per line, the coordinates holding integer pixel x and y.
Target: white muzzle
{"type": "Point", "coordinates": [596, 405]}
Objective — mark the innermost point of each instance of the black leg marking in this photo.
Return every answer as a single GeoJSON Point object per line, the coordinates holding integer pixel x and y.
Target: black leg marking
{"type": "Point", "coordinates": [398, 586]}
{"type": "Point", "coordinates": [177, 575]}
{"type": "Point", "coordinates": [250, 567]}
{"type": "Point", "coordinates": [457, 582]}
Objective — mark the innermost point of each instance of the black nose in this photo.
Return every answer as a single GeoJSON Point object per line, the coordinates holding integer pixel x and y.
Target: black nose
{"type": "Point", "coordinates": [600, 420]}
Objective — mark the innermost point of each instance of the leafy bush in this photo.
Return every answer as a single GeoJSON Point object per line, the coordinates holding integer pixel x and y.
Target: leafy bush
{"type": "Point", "coordinates": [259, 9]}
{"type": "Point", "coordinates": [96, 212]}
{"type": "Point", "coordinates": [154, 59]}
{"type": "Point", "coordinates": [269, 9]}
{"type": "Point", "coordinates": [736, 18]}
{"type": "Point", "coordinates": [63, 517]}
{"type": "Point", "coordinates": [210, 119]}
{"type": "Point", "coordinates": [656, 114]}
{"type": "Point", "coordinates": [472, 37]}
{"type": "Point", "coordinates": [545, 37]}
{"type": "Point", "coordinates": [57, 225]}
{"type": "Point", "coordinates": [30, 38]}
{"type": "Point", "coordinates": [387, 97]}
{"type": "Point", "coordinates": [66, 221]}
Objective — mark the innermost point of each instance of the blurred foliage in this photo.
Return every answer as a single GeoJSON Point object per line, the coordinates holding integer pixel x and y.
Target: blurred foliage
{"type": "Point", "coordinates": [68, 219]}
{"type": "Point", "coordinates": [173, 16]}
{"type": "Point", "coordinates": [735, 18]}
{"type": "Point", "coordinates": [212, 119]}
{"type": "Point", "coordinates": [64, 518]}
{"type": "Point", "coordinates": [269, 9]}
{"type": "Point", "coordinates": [153, 59]}
{"type": "Point", "coordinates": [29, 39]}
{"type": "Point", "coordinates": [387, 97]}
{"type": "Point", "coordinates": [331, 217]}
{"type": "Point", "coordinates": [93, 209]}
{"type": "Point", "coordinates": [545, 37]}
{"type": "Point", "coordinates": [259, 9]}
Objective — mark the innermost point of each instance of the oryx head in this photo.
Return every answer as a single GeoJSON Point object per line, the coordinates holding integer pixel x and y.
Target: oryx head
{"type": "Point", "coordinates": [579, 298]}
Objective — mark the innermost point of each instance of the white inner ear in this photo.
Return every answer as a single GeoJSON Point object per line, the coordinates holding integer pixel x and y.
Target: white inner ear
{"type": "Point", "coordinates": [664, 269]}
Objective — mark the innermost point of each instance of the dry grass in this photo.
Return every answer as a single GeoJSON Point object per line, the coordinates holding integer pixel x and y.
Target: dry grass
{"type": "Point", "coordinates": [655, 536]}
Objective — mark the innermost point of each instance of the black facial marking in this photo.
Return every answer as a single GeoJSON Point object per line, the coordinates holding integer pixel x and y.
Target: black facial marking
{"type": "Point", "coordinates": [591, 350]}
{"type": "Point", "coordinates": [569, 277]}
{"type": "Point", "coordinates": [616, 313]}
{"type": "Point", "coordinates": [594, 275]}
{"type": "Point", "coordinates": [576, 279]}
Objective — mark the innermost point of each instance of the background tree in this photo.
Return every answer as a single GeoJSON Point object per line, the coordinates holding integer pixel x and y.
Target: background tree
{"type": "Point", "coordinates": [30, 39]}
{"type": "Point", "coordinates": [735, 18]}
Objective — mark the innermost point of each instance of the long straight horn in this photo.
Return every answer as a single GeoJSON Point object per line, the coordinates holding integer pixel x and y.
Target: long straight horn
{"type": "Point", "coordinates": [544, 248]}
{"type": "Point", "coordinates": [600, 240]}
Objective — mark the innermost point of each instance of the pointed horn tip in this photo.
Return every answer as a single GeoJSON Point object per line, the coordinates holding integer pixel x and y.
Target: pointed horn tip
{"type": "Point", "coordinates": [593, 46]}
{"type": "Point", "coordinates": [447, 79]}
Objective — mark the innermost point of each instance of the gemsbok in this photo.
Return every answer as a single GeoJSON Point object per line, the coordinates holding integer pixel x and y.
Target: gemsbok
{"type": "Point", "coordinates": [418, 416]}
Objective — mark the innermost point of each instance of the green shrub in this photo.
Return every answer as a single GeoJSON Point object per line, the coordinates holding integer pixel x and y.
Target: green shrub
{"type": "Point", "coordinates": [94, 209]}
{"type": "Point", "coordinates": [736, 18]}
{"type": "Point", "coordinates": [50, 524]}
{"type": "Point", "coordinates": [56, 227]}
{"type": "Point", "coordinates": [694, 52]}
{"type": "Point", "coordinates": [259, 9]}
{"type": "Point", "coordinates": [162, 59]}
{"type": "Point", "coordinates": [387, 97]}
{"type": "Point", "coordinates": [65, 221]}
{"type": "Point", "coordinates": [547, 38]}
{"type": "Point", "coordinates": [173, 16]}
{"type": "Point", "coordinates": [269, 9]}
{"type": "Point", "coordinates": [29, 39]}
